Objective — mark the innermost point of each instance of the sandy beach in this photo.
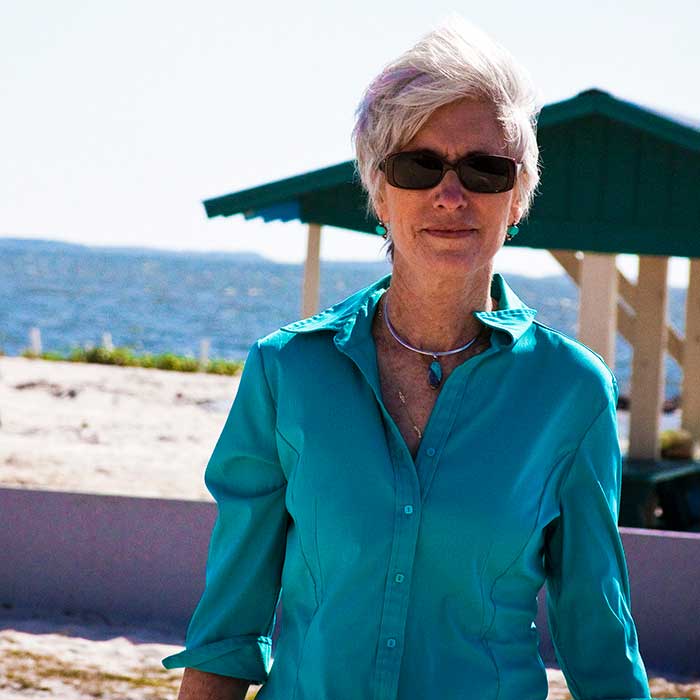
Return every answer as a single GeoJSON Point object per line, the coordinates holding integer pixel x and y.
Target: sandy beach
{"type": "Point", "coordinates": [102, 429]}
{"type": "Point", "coordinates": [126, 431]}
{"type": "Point", "coordinates": [74, 659]}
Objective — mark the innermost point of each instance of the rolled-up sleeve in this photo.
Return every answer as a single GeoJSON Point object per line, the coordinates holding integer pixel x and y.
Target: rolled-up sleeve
{"type": "Point", "coordinates": [230, 631]}
{"type": "Point", "coordinates": [588, 596]}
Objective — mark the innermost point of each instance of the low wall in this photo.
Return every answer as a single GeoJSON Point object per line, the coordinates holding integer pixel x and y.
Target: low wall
{"type": "Point", "coordinates": [126, 559]}
{"type": "Point", "coordinates": [664, 573]}
{"type": "Point", "coordinates": [142, 560]}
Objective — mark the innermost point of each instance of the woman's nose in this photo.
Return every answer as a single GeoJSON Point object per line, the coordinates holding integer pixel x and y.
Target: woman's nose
{"type": "Point", "coordinates": [449, 192]}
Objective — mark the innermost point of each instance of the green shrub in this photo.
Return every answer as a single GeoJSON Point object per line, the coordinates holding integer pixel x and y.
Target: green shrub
{"type": "Point", "coordinates": [229, 367]}
{"type": "Point", "coordinates": [676, 444]}
{"type": "Point", "coordinates": [124, 357]}
{"type": "Point", "coordinates": [147, 361]}
{"type": "Point", "coordinates": [100, 356]}
{"type": "Point", "coordinates": [176, 363]}
{"type": "Point", "coordinates": [49, 355]}
{"type": "Point", "coordinates": [52, 355]}
{"type": "Point", "coordinates": [77, 355]}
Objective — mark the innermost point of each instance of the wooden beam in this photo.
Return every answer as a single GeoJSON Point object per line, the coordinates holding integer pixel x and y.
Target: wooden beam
{"type": "Point", "coordinates": [312, 272]}
{"type": "Point", "coordinates": [626, 322]}
{"type": "Point", "coordinates": [568, 260]}
{"type": "Point", "coordinates": [651, 332]}
{"type": "Point", "coordinates": [627, 297]}
{"type": "Point", "coordinates": [597, 310]}
{"type": "Point", "coordinates": [690, 415]}
{"type": "Point", "coordinates": [627, 289]}
{"type": "Point", "coordinates": [675, 346]}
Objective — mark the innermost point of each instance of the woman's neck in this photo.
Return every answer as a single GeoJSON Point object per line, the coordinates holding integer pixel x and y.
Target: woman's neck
{"type": "Point", "coordinates": [435, 313]}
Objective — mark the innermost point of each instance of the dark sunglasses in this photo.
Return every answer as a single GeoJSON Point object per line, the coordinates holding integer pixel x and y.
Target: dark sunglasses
{"type": "Point", "coordinates": [421, 170]}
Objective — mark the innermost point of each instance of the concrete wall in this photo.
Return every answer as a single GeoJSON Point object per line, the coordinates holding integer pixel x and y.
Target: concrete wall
{"type": "Point", "coordinates": [142, 560]}
{"type": "Point", "coordinates": [136, 560]}
{"type": "Point", "coordinates": [664, 573]}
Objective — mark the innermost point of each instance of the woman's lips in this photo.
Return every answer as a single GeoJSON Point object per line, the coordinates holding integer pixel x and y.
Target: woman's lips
{"type": "Point", "coordinates": [450, 233]}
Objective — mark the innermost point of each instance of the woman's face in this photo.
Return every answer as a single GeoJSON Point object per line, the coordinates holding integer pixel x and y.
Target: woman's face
{"type": "Point", "coordinates": [448, 229]}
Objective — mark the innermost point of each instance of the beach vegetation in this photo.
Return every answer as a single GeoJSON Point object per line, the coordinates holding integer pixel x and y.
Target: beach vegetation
{"type": "Point", "coordinates": [125, 357]}
{"type": "Point", "coordinates": [225, 367]}
{"type": "Point", "coordinates": [51, 355]}
{"type": "Point", "coordinates": [677, 444]}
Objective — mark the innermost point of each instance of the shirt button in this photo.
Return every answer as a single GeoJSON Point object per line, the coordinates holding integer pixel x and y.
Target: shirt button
{"type": "Point", "coordinates": [399, 578]}
{"type": "Point", "coordinates": [430, 452]}
{"type": "Point", "coordinates": [408, 510]}
{"type": "Point", "coordinates": [391, 643]}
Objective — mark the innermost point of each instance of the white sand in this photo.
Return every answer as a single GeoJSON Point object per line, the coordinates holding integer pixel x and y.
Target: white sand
{"type": "Point", "coordinates": [118, 430]}
{"type": "Point", "coordinates": [71, 660]}
{"type": "Point", "coordinates": [126, 431]}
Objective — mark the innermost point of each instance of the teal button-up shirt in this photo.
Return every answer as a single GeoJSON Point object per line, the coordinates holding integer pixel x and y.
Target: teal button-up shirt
{"type": "Point", "coordinates": [400, 578]}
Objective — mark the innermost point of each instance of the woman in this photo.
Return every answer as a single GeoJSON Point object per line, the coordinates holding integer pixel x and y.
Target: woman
{"type": "Point", "coordinates": [410, 466]}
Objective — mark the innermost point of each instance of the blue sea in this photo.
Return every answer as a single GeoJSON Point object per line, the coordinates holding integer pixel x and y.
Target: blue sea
{"type": "Point", "coordinates": [164, 301]}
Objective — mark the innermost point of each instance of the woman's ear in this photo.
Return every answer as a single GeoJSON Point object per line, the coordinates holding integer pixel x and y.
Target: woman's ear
{"type": "Point", "coordinates": [379, 204]}
{"type": "Point", "coordinates": [516, 211]}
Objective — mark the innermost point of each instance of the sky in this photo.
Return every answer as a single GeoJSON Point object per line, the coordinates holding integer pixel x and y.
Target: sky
{"type": "Point", "coordinates": [119, 118]}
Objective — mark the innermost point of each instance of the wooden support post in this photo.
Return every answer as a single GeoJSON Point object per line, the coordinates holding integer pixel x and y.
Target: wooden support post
{"type": "Point", "coordinates": [647, 390]}
{"type": "Point", "coordinates": [35, 341]}
{"type": "Point", "coordinates": [690, 393]}
{"type": "Point", "coordinates": [627, 297]}
{"type": "Point", "coordinates": [312, 272]}
{"type": "Point", "coordinates": [598, 305]}
{"type": "Point", "coordinates": [203, 361]}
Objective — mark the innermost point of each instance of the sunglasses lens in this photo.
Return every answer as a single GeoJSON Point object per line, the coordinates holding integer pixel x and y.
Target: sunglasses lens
{"type": "Point", "coordinates": [421, 170]}
{"type": "Point", "coordinates": [487, 173]}
{"type": "Point", "coordinates": [415, 171]}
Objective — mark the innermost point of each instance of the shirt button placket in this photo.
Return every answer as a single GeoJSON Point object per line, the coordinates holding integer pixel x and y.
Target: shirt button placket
{"type": "Point", "coordinates": [396, 592]}
{"type": "Point", "coordinates": [396, 608]}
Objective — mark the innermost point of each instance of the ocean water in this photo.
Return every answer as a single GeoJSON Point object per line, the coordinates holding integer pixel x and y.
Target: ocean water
{"type": "Point", "coordinates": [163, 301]}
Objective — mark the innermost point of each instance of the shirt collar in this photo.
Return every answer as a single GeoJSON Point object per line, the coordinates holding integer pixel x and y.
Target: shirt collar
{"type": "Point", "coordinates": [513, 317]}
{"type": "Point", "coordinates": [344, 313]}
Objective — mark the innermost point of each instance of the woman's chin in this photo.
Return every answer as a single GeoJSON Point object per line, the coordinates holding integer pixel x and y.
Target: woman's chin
{"type": "Point", "coordinates": [448, 255]}
{"type": "Point", "coordinates": [453, 260]}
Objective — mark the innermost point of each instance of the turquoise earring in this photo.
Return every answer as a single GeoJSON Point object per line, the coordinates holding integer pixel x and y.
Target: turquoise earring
{"type": "Point", "coordinates": [381, 229]}
{"type": "Point", "coordinates": [512, 232]}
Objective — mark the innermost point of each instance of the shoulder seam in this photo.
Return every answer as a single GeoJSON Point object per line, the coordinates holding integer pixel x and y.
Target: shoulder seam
{"type": "Point", "coordinates": [578, 447]}
{"type": "Point", "coordinates": [264, 373]}
{"type": "Point", "coordinates": [582, 345]}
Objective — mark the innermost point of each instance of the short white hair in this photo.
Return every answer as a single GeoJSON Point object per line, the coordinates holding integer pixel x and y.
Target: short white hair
{"type": "Point", "coordinates": [454, 61]}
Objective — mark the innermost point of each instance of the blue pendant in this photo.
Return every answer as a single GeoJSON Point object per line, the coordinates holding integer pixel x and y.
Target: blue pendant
{"type": "Point", "coordinates": [435, 374]}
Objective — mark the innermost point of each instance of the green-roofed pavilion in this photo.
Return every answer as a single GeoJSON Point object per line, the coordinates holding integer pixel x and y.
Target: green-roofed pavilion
{"type": "Point", "coordinates": [617, 177]}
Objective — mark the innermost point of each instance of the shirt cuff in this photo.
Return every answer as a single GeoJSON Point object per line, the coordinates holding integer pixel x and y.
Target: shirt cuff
{"type": "Point", "coordinates": [245, 657]}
